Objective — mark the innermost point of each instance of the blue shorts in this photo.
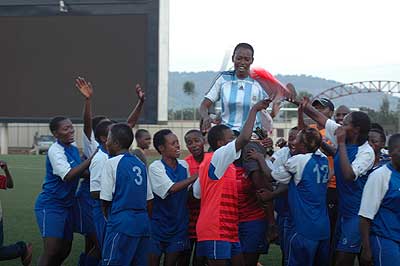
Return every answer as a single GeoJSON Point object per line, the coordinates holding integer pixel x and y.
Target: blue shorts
{"type": "Point", "coordinates": [99, 224]}
{"type": "Point", "coordinates": [83, 219]}
{"type": "Point", "coordinates": [284, 229]}
{"type": "Point", "coordinates": [56, 223]}
{"type": "Point", "coordinates": [120, 249]}
{"type": "Point", "coordinates": [159, 247]}
{"type": "Point", "coordinates": [348, 236]}
{"type": "Point", "coordinates": [385, 252]}
{"type": "Point", "coordinates": [304, 251]}
{"type": "Point", "coordinates": [252, 236]}
{"type": "Point", "coordinates": [217, 249]}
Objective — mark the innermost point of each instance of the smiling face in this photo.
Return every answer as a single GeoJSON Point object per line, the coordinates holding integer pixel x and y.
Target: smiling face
{"type": "Point", "coordinates": [195, 143]}
{"type": "Point", "coordinates": [242, 60]}
{"type": "Point", "coordinates": [65, 132]}
{"type": "Point", "coordinates": [170, 148]}
{"type": "Point", "coordinates": [292, 140]}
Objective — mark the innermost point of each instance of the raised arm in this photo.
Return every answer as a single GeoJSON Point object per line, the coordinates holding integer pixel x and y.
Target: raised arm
{"type": "Point", "coordinates": [313, 113]}
{"type": "Point", "coordinates": [134, 115]}
{"type": "Point", "coordinates": [205, 123]}
{"type": "Point", "coordinates": [345, 164]}
{"type": "Point", "coordinates": [86, 90]}
{"type": "Point", "coordinates": [9, 180]}
{"type": "Point", "coordinates": [247, 130]}
{"type": "Point", "coordinates": [300, 116]}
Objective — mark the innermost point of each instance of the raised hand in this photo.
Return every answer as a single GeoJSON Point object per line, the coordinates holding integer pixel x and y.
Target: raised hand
{"type": "Point", "coordinates": [341, 135]}
{"type": "Point", "coordinates": [84, 87]}
{"type": "Point", "coordinates": [140, 93]}
{"type": "Point", "coordinates": [261, 105]}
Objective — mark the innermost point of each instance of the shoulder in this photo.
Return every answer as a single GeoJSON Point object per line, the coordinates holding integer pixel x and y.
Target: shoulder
{"type": "Point", "coordinates": [183, 163]}
{"type": "Point", "coordinates": [157, 164]}
{"type": "Point", "coordinates": [365, 148]}
{"type": "Point", "coordinates": [227, 75]}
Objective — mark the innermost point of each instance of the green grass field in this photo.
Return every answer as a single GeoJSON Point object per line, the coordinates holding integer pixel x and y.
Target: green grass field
{"type": "Point", "coordinates": [19, 219]}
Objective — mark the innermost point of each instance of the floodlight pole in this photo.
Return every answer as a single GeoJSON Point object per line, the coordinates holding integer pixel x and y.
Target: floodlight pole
{"type": "Point", "coordinates": [4, 138]}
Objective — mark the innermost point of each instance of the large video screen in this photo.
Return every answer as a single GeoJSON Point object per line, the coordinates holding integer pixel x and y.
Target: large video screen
{"type": "Point", "coordinates": [40, 57]}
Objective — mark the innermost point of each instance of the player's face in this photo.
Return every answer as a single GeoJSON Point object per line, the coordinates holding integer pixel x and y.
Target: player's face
{"type": "Point", "coordinates": [195, 144]}
{"type": "Point", "coordinates": [324, 110]}
{"type": "Point", "coordinates": [299, 146]}
{"type": "Point", "coordinates": [292, 141]}
{"type": "Point", "coordinates": [145, 141]}
{"type": "Point", "coordinates": [348, 126]}
{"type": "Point", "coordinates": [111, 145]}
{"type": "Point", "coordinates": [65, 132]}
{"type": "Point", "coordinates": [394, 152]}
{"type": "Point", "coordinates": [376, 142]}
{"type": "Point", "coordinates": [341, 112]}
{"type": "Point", "coordinates": [171, 148]}
{"type": "Point", "coordinates": [242, 60]}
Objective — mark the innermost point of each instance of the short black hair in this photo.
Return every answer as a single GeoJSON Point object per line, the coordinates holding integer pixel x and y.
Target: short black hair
{"type": "Point", "coordinates": [55, 122]}
{"type": "Point", "coordinates": [140, 132]}
{"type": "Point", "coordinates": [194, 131]}
{"type": "Point", "coordinates": [393, 140]}
{"type": "Point", "coordinates": [245, 46]}
{"type": "Point", "coordinates": [159, 138]}
{"type": "Point", "coordinates": [377, 126]}
{"type": "Point", "coordinates": [361, 120]}
{"type": "Point", "coordinates": [96, 120]}
{"type": "Point", "coordinates": [102, 129]}
{"type": "Point", "coordinates": [122, 133]}
{"type": "Point", "coordinates": [311, 138]}
{"type": "Point", "coordinates": [216, 134]}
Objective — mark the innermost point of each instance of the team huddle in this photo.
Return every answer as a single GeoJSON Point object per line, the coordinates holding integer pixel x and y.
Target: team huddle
{"type": "Point", "coordinates": [329, 195]}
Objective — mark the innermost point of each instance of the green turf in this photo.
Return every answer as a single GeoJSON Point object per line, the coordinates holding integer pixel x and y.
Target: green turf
{"type": "Point", "coordinates": [19, 219]}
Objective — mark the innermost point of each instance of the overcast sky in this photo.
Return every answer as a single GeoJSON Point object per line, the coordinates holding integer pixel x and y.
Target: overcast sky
{"type": "Point", "coordinates": [344, 40]}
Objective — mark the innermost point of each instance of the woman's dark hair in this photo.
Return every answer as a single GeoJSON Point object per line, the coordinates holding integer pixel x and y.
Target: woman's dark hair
{"type": "Point", "coordinates": [122, 133]}
{"type": "Point", "coordinates": [96, 120]}
{"type": "Point", "coordinates": [362, 121]}
{"type": "Point", "coordinates": [311, 138]}
{"type": "Point", "coordinates": [55, 122]}
{"type": "Point", "coordinates": [159, 138]}
{"type": "Point", "coordinates": [245, 46]}
{"type": "Point", "coordinates": [380, 132]}
{"type": "Point", "coordinates": [216, 134]}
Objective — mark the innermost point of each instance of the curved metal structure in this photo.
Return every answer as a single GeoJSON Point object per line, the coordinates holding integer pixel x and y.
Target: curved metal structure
{"type": "Point", "coordinates": [385, 86]}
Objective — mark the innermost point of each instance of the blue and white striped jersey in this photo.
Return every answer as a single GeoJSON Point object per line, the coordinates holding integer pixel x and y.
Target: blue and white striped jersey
{"type": "Point", "coordinates": [237, 97]}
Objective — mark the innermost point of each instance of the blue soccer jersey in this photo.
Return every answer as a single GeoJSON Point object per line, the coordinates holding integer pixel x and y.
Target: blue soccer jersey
{"type": "Point", "coordinates": [381, 202]}
{"type": "Point", "coordinates": [124, 182]}
{"type": "Point", "coordinates": [307, 175]}
{"type": "Point", "coordinates": [237, 96]}
{"type": "Point", "coordinates": [58, 192]}
{"type": "Point", "coordinates": [170, 218]}
{"type": "Point", "coordinates": [361, 159]}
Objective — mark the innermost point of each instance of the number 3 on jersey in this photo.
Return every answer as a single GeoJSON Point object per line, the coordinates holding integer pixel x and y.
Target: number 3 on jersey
{"type": "Point", "coordinates": [138, 172]}
{"type": "Point", "coordinates": [322, 173]}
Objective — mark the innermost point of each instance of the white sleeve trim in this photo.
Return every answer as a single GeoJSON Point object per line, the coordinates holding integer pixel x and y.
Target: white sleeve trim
{"type": "Point", "coordinates": [214, 93]}
{"type": "Point", "coordinates": [197, 189]}
{"type": "Point", "coordinates": [330, 128]}
{"type": "Point", "coordinates": [108, 178]}
{"type": "Point", "coordinates": [374, 191]}
{"type": "Point", "coordinates": [159, 180]}
{"type": "Point", "coordinates": [96, 170]}
{"type": "Point", "coordinates": [59, 161]}
{"type": "Point", "coordinates": [364, 160]}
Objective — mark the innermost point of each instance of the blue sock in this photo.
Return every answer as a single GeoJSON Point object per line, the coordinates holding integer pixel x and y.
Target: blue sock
{"type": "Point", "coordinates": [82, 259]}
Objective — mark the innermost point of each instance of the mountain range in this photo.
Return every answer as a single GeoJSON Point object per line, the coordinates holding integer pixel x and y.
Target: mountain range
{"type": "Point", "coordinates": [177, 99]}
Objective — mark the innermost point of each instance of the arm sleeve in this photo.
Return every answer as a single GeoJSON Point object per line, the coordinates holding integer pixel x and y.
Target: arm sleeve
{"type": "Point", "coordinates": [330, 128]}
{"type": "Point", "coordinates": [108, 179]}
{"type": "Point", "coordinates": [150, 195]}
{"type": "Point", "coordinates": [284, 173]}
{"type": "Point", "coordinates": [196, 189]}
{"type": "Point", "coordinates": [59, 162]}
{"type": "Point", "coordinates": [363, 162]}
{"type": "Point", "coordinates": [373, 194]}
{"type": "Point", "coordinates": [215, 92]}
{"type": "Point", "coordinates": [221, 159]}
{"type": "Point", "coordinates": [160, 182]}
{"type": "Point", "coordinates": [96, 169]}
{"type": "Point", "coordinates": [89, 145]}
